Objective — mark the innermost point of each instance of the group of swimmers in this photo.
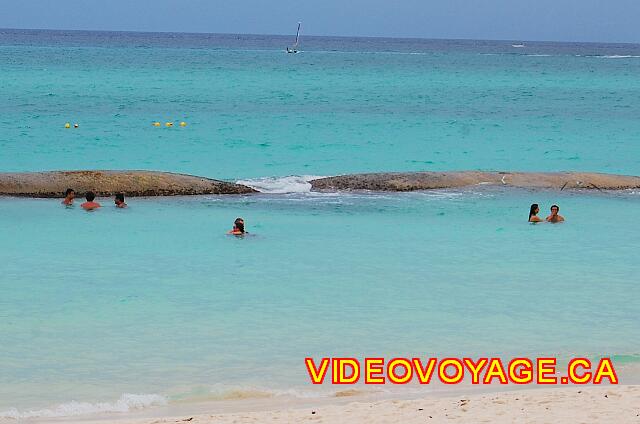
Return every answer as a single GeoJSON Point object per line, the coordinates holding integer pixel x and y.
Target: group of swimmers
{"type": "Point", "coordinates": [238, 224]}
{"type": "Point", "coordinates": [91, 204]}
{"type": "Point", "coordinates": [555, 217]}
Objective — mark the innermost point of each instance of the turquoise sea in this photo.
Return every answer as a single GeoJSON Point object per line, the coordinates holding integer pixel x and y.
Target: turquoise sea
{"type": "Point", "coordinates": [124, 309]}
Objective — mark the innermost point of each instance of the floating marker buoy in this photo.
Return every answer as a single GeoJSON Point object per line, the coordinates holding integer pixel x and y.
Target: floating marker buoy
{"type": "Point", "coordinates": [75, 125]}
{"type": "Point", "coordinates": [67, 125]}
{"type": "Point", "coordinates": [156, 124]}
{"type": "Point", "coordinates": [169, 124]}
{"type": "Point", "coordinates": [183, 124]}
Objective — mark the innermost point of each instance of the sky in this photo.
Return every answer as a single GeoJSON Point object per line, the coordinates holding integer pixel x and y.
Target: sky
{"type": "Point", "coordinates": [527, 20]}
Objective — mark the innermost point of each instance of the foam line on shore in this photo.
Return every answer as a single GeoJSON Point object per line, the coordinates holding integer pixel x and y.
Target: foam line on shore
{"type": "Point", "coordinates": [126, 403]}
{"type": "Point", "coordinates": [566, 404]}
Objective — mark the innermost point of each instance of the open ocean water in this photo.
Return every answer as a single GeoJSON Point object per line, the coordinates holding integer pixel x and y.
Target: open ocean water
{"type": "Point", "coordinates": [125, 309]}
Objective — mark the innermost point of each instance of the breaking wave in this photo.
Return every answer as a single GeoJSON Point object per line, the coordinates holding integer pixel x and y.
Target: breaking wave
{"type": "Point", "coordinates": [289, 184]}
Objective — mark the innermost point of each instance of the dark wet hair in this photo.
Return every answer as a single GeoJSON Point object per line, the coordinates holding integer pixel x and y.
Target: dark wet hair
{"type": "Point", "coordinates": [90, 196]}
{"type": "Point", "coordinates": [532, 210]}
{"type": "Point", "coordinates": [555, 206]}
{"type": "Point", "coordinates": [120, 197]}
{"type": "Point", "coordinates": [68, 192]}
{"type": "Point", "coordinates": [239, 224]}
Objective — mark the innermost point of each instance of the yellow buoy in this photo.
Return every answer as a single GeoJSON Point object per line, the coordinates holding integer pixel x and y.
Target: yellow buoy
{"type": "Point", "coordinates": [67, 125]}
{"type": "Point", "coordinates": [156, 124]}
{"type": "Point", "coordinates": [169, 124]}
{"type": "Point", "coordinates": [183, 124]}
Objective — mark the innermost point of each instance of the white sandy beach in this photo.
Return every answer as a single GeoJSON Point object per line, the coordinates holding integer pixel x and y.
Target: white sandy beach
{"type": "Point", "coordinates": [606, 404]}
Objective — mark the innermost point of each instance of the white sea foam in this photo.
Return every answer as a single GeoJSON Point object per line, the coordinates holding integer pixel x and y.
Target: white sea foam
{"type": "Point", "coordinates": [610, 56]}
{"type": "Point", "coordinates": [289, 184]}
{"type": "Point", "coordinates": [619, 56]}
{"type": "Point", "coordinates": [229, 392]}
{"type": "Point", "coordinates": [126, 403]}
{"type": "Point", "coordinates": [225, 392]}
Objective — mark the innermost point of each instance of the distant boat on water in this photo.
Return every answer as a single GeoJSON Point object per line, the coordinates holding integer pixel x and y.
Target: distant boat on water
{"type": "Point", "coordinates": [294, 48]}
{"type": "Point", "coordinates": [518, 46]}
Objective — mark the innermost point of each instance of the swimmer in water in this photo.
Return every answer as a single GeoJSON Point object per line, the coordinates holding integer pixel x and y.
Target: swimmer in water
{"type": "Point", "coordinates": [119, 201]}
{"type": "Point", "coordinates": [238, 228]}
{"type": "Point", "coordinates": [90, 205]}
{"type": "Point", "coordinates": [533, 213]}
{"type": "Point", "coordinates": [69, 195]}
{"type": "Point", "coordinates": [554, 217]}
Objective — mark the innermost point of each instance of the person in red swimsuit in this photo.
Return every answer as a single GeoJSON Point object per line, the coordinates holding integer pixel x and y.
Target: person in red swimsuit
{"type": "Point", "coordinates": [90, 205]}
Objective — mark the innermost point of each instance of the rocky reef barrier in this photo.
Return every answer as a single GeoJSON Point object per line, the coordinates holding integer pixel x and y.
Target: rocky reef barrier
{"type": "Point", "coordinates": [107, 183]}
{"type": "Point", "coordinates": [153, 183]}
{"type": "Point", "coordinates": [411, 181]}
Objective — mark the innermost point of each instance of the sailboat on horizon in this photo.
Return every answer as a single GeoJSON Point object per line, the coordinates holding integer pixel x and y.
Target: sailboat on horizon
{"type": "Point", "coordinates": [294, 48]}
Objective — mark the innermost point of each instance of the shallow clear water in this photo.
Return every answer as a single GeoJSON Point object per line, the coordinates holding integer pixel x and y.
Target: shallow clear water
{"type": "Point", "coordinates": [156, 299]}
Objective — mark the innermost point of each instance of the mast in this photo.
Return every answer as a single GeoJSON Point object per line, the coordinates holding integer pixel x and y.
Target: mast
{"type": "Point", "coordinates": [297, 35]}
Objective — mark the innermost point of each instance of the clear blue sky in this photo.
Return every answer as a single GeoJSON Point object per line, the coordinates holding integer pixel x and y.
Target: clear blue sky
{"type": "Point", "coordinates": [561, 20]}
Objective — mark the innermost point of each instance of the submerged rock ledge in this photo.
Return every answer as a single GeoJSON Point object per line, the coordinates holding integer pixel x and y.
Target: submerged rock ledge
{"type": "Point", "coordinates": [410, 181]}
{"type": "Point", "coordinates": [107, 183]}
{"type": "Point", "coordinates": [153, 183]}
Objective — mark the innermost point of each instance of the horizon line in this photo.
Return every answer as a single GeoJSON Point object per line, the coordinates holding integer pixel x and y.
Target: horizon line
{"type": "Point", "coordinates": [321, 36]}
